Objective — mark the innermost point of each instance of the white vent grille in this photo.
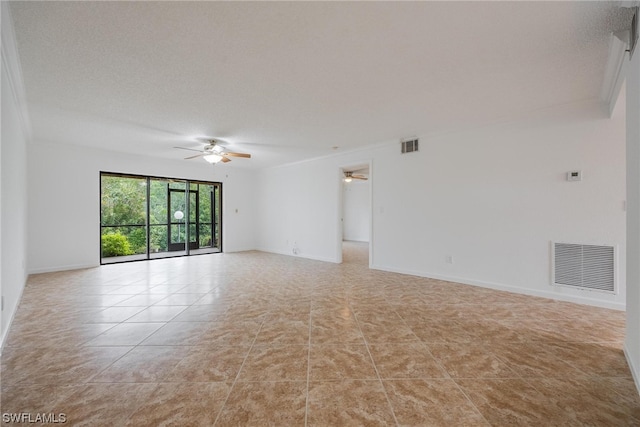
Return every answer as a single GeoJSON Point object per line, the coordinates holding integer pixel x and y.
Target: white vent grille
{"type": "Point", "coordinates": [410, 146]}
{"type": "Point", "coordinates": [584, 266]}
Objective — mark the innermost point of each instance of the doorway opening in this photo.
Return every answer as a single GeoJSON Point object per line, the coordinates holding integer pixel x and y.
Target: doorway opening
{"type": "Point", "coordinates": [356, 214]}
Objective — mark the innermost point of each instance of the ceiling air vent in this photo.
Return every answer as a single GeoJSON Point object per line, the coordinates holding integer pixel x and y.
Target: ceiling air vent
{"type": "Point", "coordinates": [584, 266]}
{"type": "Point", "coordinates": [409, 145]}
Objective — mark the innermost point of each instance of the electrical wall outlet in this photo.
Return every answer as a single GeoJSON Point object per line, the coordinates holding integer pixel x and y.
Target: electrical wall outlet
{"type": "Point", "coordinates": [574, 176]}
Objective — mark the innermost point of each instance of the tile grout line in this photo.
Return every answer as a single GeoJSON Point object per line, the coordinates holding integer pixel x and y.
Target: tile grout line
{"type": "Point", "coordinates": [470, 401]}
{"type": "Point", "coordinates": [235, 380]}
{"type": "Point", "coordinates": [306, 408]}
{"type": "Point", "coordinates": [133, 347]}
{"type": "Point", "coordinates": [384, 390]}
{"type": "Point", "coordinates": [458, 385]}
{"type": "Point", "coordinates": [426, 347]}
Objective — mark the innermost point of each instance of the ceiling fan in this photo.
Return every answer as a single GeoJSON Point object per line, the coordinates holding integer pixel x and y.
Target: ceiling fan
{"type": "Point", "coordinates": [213, 152]}
{"type": "Point", "coordinates": [349, 176]}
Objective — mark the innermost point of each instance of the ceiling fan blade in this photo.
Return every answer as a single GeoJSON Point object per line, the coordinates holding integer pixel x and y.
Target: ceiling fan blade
{"type": "Point", "coordinates": [364, 178]}
{"type": "Point", "coordinates": [225, 160]}
{"type": "Point", "coordinates": [190, 149]}
{"type": "Point", "coordinates": [247, 156]}
{"type": "Point", "coordinates": [193, 157]}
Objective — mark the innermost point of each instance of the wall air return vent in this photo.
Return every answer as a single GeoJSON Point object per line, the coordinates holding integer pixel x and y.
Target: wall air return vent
{"type": "Point", "coordinates": [409, 145]}
{"type": "Point", "coordinates": [584, 266]}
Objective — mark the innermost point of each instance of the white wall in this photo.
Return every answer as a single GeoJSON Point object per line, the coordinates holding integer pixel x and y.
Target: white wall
{"type": "Point", "coordinates": [356, 210]}
{"type": "Point", "coordinates": [64, 201]}
{"type": "Point", "coordinates": [299, 210]}
{"type": "Point", "coordinates": [632, 341]}
{"type": "Point", "coordinates": [13, 180]}
{"type": "Point", "coordinates": [493, 199]}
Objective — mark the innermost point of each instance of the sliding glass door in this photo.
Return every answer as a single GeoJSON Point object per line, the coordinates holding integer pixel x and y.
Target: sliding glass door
{"type": "Point", "coordinates": [204, 217]}
{"type": "Point", "coordinates": [123, 218]}
{"type": "Point", "coordinates": [166, 213]}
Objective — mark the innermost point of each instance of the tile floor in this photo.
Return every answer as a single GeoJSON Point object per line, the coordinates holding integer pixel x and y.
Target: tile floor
{"type": "Point", "coordinates": [262, 339]}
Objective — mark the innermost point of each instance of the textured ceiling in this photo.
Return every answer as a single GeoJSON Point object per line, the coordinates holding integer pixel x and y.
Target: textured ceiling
{"type": "Point", "coordinates": [288, 81]}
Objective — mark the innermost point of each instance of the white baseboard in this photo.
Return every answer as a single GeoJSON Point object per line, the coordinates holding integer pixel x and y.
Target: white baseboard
{"type": "Point", "coordinates": [61, 268]}
{"type": "Point", "coordinates": [633, 367]}
{"type": "Point", "coordinates": [299, 255]}
{"type": "Point", "coordinates": [239, 249]}
{"type": "Point", "coordinates": [7, 327]}
{"type": "Point", "coordinates": [508, 288]}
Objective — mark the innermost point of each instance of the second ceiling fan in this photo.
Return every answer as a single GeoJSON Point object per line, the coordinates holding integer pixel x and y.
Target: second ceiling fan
{"type": "Point", "coordinates": [349, 176]}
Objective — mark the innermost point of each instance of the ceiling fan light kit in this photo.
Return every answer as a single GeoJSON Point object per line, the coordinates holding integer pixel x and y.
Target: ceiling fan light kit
{"type": "Point", "coordinates": [212, 158]}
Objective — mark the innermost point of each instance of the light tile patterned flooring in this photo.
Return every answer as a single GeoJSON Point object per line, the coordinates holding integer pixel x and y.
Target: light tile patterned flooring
{"type": "Point", "coordinates": [262, 339]}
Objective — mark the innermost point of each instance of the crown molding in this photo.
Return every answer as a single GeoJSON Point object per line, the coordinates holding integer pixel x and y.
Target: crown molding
{"type": "Point", "coordinates": [615, 73]}
{"type": "Point", "coordinates": [11, 67]}
{"type": "Point", "coordinates": [615, 68]}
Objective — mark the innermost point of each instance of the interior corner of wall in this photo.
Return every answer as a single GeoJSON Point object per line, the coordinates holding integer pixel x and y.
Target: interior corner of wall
{"type": "Point", "coordinates": [635, 373]}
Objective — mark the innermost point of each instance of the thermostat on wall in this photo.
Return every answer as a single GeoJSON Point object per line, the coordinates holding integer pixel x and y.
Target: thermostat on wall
{"type": "Point", "coordinates": [574, 176]}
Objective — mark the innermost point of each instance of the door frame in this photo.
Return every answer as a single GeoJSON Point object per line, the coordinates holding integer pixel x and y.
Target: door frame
{"type": "Point", "coordinates": [216, 221]}
{"type": "Point", "coordinates": [340, 219]}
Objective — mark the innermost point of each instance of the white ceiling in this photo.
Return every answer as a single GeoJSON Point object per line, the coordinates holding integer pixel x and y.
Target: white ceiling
{"type": "Point", "coordinates": [288, 81]}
